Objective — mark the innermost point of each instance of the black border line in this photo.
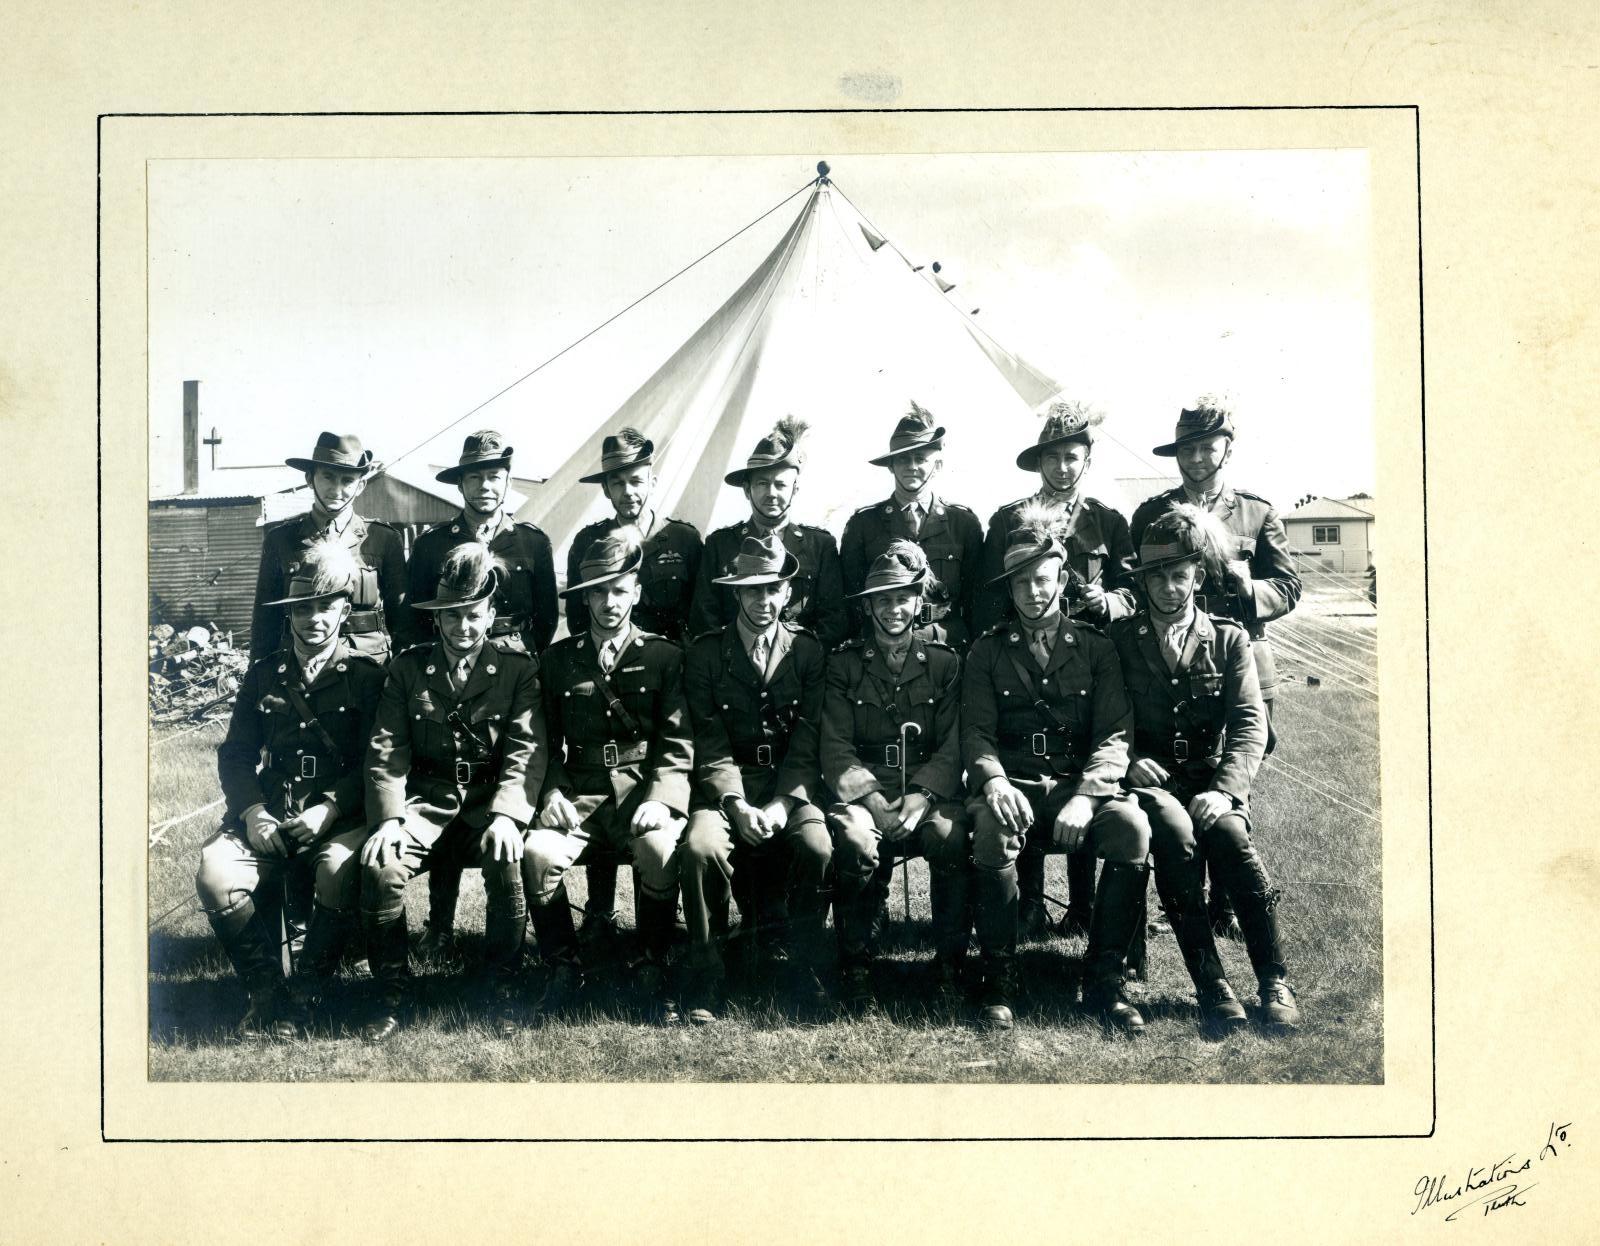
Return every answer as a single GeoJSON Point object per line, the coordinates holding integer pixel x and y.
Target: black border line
{"type": "Point", "coordinates": [1427, 653]}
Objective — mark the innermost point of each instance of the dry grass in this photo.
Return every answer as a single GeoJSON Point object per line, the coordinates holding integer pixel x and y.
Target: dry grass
{"type": "Point", "coordinates": [1324, 857]}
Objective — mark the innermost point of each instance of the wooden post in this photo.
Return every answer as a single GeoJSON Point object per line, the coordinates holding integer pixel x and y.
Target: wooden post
{"type": "Point", "coordinates": [191, 436]}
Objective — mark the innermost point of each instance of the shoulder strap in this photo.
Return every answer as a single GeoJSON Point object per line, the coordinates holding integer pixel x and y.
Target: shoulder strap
{"type": "Point", "coordinates": [1026, 676]}
{"type": "Point", "coordinates": [619, 711]}
{"type": "Point", "coordinates": [303, 708]}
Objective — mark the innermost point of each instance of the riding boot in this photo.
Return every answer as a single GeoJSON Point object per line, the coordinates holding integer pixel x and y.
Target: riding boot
{"type": "Point", "coordinates": [1242, 874]}
{"type": "Point", "coordinates": [996, 893]}
{"type": "Point", "coordinates": [318, 962]}
{"type": "Point", "coordinates": [876, 927]}
{"type": "Point", "coordinates": [948, 897]}
{"type": "Point", "coordinates": [554, 930]}
{"type": "Point", "coordinates": [505, 921]}
{"type": "Point", "coordinates": [1182, 895]}
{"type": "Point", "coordinates": [1080, 893]}
{"type": "Point", "coordinates": [389, 955]}
{"type": "Point", "coordinates": [251, 947]}
{"type": "Point", "coordinates": [1117, 912]}
{"type": "Point", "coordinates": [657, 917]}
{"type": "Point", "coordinates": [600, 929]}
{"type": "Point", "coordinates": [444, 889]}
{"type": "Point", "coordinates": [1033, 919]}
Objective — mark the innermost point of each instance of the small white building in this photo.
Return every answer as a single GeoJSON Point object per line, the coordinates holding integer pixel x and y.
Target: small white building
{"type": "Point", "coordinates": [1334, 535]}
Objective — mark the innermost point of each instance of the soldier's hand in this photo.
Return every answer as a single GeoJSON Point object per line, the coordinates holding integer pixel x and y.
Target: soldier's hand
{"type": "Point", "coordinates": [261, 829]}
{"type": "Point", "coordinates": [913, 809]}
{"type": "Point", "coordinates": [651, 815]}
{"type": "Point", "coordinates": [1009, 806]}
{"type": "Point", "coordinates": [1072, 823]}
{"type": "Point", "coordinates": [311, 824]}
{"type": "Point", "coordinates": [1207, 807]}
{"type": "Point", "coordinates": [1094, 600]}
{"type": "Point", "coordinates": [501, 840]}
{"type": "Point", "coordinates": [745, 823]}
{"type": "Point", "coordinates": [1143, 772]}
{"type": "Point", "coordinates": [559, 813]}
{"type": "Point", "coordinates": [1239, 573]}
{"type": "Point", "coordinates": [777, 813]}
{"type": "Point", "coordinates": [382, 845]}
{"type": "Point", "coordinates": [885, 813]}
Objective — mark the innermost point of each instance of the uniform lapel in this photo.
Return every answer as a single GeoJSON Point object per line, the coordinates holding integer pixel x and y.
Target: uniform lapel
{"type": "Point", "coordinates": [1150, 649]}
{"type": "Point", "coordinates": [1200, 633]}
{"type": "Point", "coordinates": [1066, 644]}
{"type": "Point", "coordinates": [481, 677]}
{"type": "Point", "coordinates": [330, 668]}
{"type": "Point", "coordinates": [782, 642]}
{"type": "Point", "coordinates": [934, 523]}
{"type": "Point", "coordinates": [438, 672]}
{"type": "Point", "coordinates": [738, 663]}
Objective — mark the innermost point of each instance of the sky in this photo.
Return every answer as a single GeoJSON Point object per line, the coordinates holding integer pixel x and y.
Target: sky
{"type": "Point", "coordinates": [391, 297]}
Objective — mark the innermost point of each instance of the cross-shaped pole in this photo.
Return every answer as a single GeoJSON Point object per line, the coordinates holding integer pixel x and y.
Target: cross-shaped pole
{"type": "Point", "coordinates": [213, 441]}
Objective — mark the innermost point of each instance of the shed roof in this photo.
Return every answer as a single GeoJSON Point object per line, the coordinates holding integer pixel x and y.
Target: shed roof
{"type": "Point", "coordinates": [1328, 508]}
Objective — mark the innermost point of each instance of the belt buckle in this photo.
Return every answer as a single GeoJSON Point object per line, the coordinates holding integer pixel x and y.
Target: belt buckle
{"type": "Point", "coordinates": [308, 766]}
{"type": "Point", "coordinates": [891, 754]}
{"type": "Point", "coordinates": [763, 754]}
{"type": "Point", "coordinates": [925, 614]}
{"type": "Point", "coordinates": [1041, 744]}
{"type": "Point", "coordinates": [1180, 749]}
{"type": "Point", "coordinates": [463, 772]}
{"type": "Point", "coordinates": [609, 754]}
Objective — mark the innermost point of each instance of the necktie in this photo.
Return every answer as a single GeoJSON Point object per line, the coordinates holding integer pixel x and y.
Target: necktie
{"type": "Point", "coordinates": [914, 518]}
{"type": "Point", "coordinates": [459, 673]}
{"type": "Point", "coordinates": [1039, 644]}
{"type": "Point", "coordinates": [608, 656]}
{"type": "Point", "coordinates": [758, 655]}
{"type": "Point", "coordinates": [313, 667]}
{"type": "Point", "coordinates": [1172, 645]}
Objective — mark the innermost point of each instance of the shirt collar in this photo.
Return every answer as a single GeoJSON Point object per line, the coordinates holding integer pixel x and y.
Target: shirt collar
{"type": "Point", "coordinates": [1180, 625]}
{"type": "Point", "coordinates": [1205, 500]}
{"type": "Point", "coordinates": [306, 657]}
{"type": "Point", "coordinates": [761, 529]}
{"type": "Point", "coordinates": [335, 524]}
{"type": "Point", "coordinates": [618, 643]}
{"type": "Point", "coordinates": [748, 638]}
{"type": "Point", "coordinates": [1067, 501]}
{"type": "Point", "coordinates": [905, 500]}
{"type": "Point", "coordinates": [488, 531]}
{"type": "Point", "coordinates": [453, 659]}
{"type": "Point", "coordinates": [1046, 623]}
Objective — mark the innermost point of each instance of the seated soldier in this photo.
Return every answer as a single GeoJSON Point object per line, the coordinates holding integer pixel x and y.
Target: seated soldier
{"type": "Point", "coordinates": [454, 771]}
{"type": "Point", "coordinates": [1200, 733]}
{"type": "Point", "coordinates": [755, 698]}
{"type": "Point", "coordinates": [620, 755]}
{"type": "Point", "coordinates": [309, 708]}
{"type": "Point", "coordinates": [891, 760]}
{"type": "Point", "coordinates": [1045, 739]}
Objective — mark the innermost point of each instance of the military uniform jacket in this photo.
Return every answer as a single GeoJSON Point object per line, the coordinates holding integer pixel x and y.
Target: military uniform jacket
{"type": "Point", "coordinates": [952, 539]}
{"type": "Point", "coordinates": [666, 578]}
{"type": "Point", "coordinates": [1204, 722]}
{"type": "Point", "coordinates": [1098, 549]}
{"type": "Point", "coordinates": [525, 604]}
{"type": "Point", "coordinates": [755, 733]}
{"type": "Point", "coordinates": [438, 755]}
{"type": "Point", "coordinates": [377, 606]}
{"type": "Point", "coordinates": [595, 756]}
{"type": "Point", "coordinates": [298, 769]}
{"type": "Point", "coordinates": [1072, 723]}
{"type": "Point", "coordinates": [816, 600]}
{"type": "Point", "coordinates": [864, 708]}
{"type": "Point", "coordinates": [1261, 542]}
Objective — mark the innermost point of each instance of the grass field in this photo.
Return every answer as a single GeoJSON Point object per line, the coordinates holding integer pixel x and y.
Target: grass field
{"type": "Point", "coordinates": [1315, 815]}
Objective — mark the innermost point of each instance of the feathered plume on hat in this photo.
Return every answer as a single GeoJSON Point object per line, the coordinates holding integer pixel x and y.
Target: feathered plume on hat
{"type": "Point", "coordinates": [792, 430]}
{"type": "Point", "coordinates": [910, 559]}
{"type": "Point", "coordinates": [325, 569]}
{"type": "Point", "coordinates": [1041, 520]}
{"type": "Point", "coordinates": [1072, 413]}
{"type": "Point", "coordinates": [1065, 419]}
{"type": "Point", "coordinates": [1182, 532]}
{"type": "Point", "coordinates": [468, 575]}
{"type": "Point", "coordinates": [1212, 404]}
{"type": "Point", "coordinates": [920, 413]}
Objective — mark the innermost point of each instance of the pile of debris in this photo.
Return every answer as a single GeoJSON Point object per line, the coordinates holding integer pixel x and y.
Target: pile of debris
{"type": "Point", "coordinates": [194, 674]}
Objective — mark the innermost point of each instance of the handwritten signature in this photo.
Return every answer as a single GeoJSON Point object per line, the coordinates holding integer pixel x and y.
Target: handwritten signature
{"type": "Point", "coordinates": [1490, 1188]}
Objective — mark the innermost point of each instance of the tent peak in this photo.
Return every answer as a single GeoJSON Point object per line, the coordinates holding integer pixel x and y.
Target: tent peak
{"type": "Point", "coordinates": [822, 171]}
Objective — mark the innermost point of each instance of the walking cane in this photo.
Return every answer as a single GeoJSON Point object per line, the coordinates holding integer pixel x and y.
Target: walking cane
{"type": "Point", "coordinates": [905, 862]}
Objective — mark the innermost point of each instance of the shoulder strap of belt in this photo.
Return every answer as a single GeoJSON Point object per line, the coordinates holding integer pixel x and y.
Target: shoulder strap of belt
{"type": "Point", "coordinates": [303, 708]}
{"type": "Point", "coordinates": [619, 711]}
{"type": "Point", "coordinates": [1026, 676]}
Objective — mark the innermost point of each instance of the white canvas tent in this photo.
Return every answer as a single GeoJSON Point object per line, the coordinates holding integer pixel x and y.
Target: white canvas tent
{"type": "Point", "coordinates": [837, 326]}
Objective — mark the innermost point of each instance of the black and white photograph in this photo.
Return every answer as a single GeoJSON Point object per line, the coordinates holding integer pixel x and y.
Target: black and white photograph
{"type": "Point", "coordinates": [765, 619]}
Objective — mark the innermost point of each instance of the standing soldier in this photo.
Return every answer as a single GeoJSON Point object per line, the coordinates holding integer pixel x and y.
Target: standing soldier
{"type": "Point", "coordinates": [1259, 582]}
{"type": "Point", "coordinates": [666, 583]}
{"type": "Point", "coordinates": [525, 605]}
{"type": "Point", "coordinates": [308, 708]}
{"type": "Point", "coordinates": [891, 758]}
{"type": "Point", "coordinates": [1045, 740]}
{"type": "Point", "coordinates": [1099, 588]}
{"type": "Point", "coordinates": [1200, 733]}
{"type": "Point", "coordinates": [337, 473]}
{"type": "Point", "coordinates": [951, 536]}
{"type": "Point", "coordinates": [621, 751]}
{"type": "Point", "coordinates": [453, 773]}
{"type": "Point", "coordinates": [770, 479]}
{"type": "Point", "coordinates": [755, 693]}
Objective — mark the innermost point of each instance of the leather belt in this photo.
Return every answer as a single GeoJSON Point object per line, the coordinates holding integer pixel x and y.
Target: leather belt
{"type": "Point", "coordinates": [755, 755]}
{"type": "Point", "coordinates": [364, 621]}
{"type": "Point", "coordinates": [1179, 746]}
{"type": "Point", "coordinates": [1052, 743]}
{"type": "Point", "coordinates": [888, 755]}
{"type": "Point", "coordinates": [608, 754]}
{"type": "Point", "coordinates": [303, 766]}
{"type": "Point", "coordinates": [461, 772]}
